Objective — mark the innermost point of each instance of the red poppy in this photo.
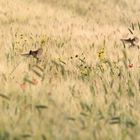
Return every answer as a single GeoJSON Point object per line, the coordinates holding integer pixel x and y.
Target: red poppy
{"type": "Point", "coordinates": [23, 86]}
{"type": "Point", "coordinates": [34, 81]}
{"type": "Point", "coordinates": [130, 65]}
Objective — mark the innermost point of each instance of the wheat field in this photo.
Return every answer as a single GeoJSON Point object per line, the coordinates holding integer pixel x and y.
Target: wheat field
{"type": "Point", "coordinates": [86, 84]}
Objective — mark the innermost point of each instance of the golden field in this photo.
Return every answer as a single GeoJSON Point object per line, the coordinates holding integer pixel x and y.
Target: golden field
{"type": "Point", "coordinates": [86, 85]}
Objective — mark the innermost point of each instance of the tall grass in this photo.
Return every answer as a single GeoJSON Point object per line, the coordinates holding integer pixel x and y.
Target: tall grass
{"type": "Point", "coordinates": [86, 85]}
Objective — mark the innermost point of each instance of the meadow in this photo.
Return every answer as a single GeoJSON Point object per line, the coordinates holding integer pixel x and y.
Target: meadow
{"type": "Point", "coordinates": [86, 85]}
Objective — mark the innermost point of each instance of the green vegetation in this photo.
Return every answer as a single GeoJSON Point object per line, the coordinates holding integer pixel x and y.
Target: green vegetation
{"type": "Point", "coordinates": [86, 84]}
